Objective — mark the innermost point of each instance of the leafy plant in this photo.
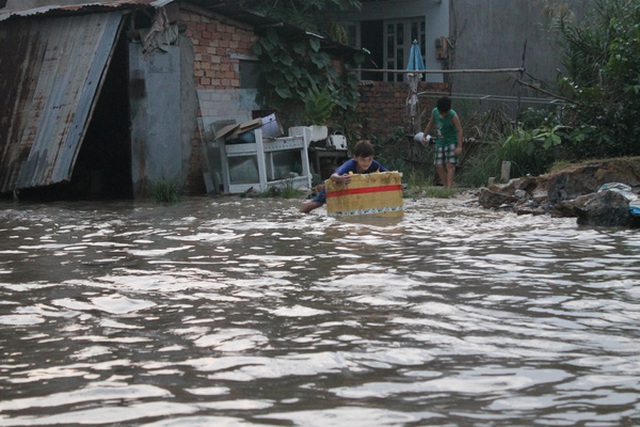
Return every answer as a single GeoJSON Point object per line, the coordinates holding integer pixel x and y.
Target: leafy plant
{"type": "Point", "coordinates": [312, 15]}
{"type": "Point", "coordinates": [602, 59]}
{"type": "Point", "coordinates": [318, 105]}
{"type": "Point", "coordinates": [531, 146]}
{"type": "Point", "coordinates": [293, 72]}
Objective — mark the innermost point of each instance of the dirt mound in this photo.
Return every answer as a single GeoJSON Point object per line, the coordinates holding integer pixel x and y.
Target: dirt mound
{"type": "Point", "coordinates": [579, 179]}
{"type": "Point", "coordinates": [563, 192]}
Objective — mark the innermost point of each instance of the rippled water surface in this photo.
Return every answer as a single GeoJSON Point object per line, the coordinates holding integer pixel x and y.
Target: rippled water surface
{"type": "Point", "coordinates": [233, 312]}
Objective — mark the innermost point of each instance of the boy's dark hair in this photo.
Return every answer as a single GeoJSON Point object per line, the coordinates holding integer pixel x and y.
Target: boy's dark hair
{"type": "Point", "coordinates": [444, 104]}
{"type": "Point", "coordinates": [363, 148]}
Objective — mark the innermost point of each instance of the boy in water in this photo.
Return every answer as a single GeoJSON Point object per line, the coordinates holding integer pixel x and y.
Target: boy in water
{"type": "Point", "coordinates": [448, 140]}
{"type": "Point", "coordinates": [362, 162]}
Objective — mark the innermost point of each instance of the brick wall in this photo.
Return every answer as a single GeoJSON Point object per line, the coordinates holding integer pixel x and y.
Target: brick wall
{"type": "Point", "coordinates": [384, 108]}
{"type": "Point", "coordinates": [214, 39]}
{"type": "Point", "coordinates": [217, 42]}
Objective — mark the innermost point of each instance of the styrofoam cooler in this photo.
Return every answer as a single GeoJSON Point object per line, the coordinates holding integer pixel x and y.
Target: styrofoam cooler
{"type": "Point", "coordinates": [378, 193]}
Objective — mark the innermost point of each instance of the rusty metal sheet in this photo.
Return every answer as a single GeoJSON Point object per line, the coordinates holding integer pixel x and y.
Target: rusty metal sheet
{"type": "Point", "coordinates": [96, 6]}
{"type": "Point", "coordinates": [51, 70]}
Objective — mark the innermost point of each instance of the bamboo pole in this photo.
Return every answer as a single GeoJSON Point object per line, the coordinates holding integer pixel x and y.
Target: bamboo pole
{"type": "Point", "coordinates": [519, 105]}
{"type": "Point", "coordinates": [462, 71]}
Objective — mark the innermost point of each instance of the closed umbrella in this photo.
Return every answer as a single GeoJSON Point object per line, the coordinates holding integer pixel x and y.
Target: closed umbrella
{"type": "Point", "coordinates": [415, 63]}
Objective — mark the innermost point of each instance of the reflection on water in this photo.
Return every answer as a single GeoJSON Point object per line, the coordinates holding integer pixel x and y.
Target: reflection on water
{"type": "Point", "coordinates": [234, 312]}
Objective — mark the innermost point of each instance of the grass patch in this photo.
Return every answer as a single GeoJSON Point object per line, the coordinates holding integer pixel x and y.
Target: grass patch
{"type": "Point", "coordinates": [419, 178]}
{"type": "Point", "coordinates": [288, 191]}
{"type": "Point", "coordinates": [430, 191]}
{"type": "Point", "coordinates": [166, 190]}
{"type": "Point", "coordinates": [476, 173]}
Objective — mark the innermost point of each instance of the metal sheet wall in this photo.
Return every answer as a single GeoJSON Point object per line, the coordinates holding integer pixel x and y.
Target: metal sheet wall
{"type": "Point", "coordinates": [51, 71]}
{"type": "Point", "coordinates": [156, 142]}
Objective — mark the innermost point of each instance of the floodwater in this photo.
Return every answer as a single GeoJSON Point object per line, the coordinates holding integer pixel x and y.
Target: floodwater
{"type": "Point", "coordinates": [244, 312]}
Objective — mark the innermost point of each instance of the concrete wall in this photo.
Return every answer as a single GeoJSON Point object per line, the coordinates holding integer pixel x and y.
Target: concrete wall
{"type": "Point", "coordinates": [492, 34]}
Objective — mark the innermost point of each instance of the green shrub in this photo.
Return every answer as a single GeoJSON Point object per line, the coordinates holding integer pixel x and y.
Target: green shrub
{"type": "Point", "coordinates": [602, 59]}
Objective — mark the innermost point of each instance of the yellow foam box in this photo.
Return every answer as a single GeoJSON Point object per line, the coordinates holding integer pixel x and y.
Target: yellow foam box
{"type": "Point", "coordinates": [378, 193]}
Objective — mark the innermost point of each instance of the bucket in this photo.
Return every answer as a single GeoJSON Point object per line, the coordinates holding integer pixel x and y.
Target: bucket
{"type": "Point", "coordinates": [339, 142]}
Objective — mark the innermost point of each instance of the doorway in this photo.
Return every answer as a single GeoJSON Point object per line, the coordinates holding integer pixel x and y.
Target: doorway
{"type": "Point", "coordinates": [103, 167]}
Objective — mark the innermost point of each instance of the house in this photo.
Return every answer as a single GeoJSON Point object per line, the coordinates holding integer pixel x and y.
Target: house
{"type": "Point", "coordinates": [465, 35]}
{"type": "Point", "coordinates": [102, 99]}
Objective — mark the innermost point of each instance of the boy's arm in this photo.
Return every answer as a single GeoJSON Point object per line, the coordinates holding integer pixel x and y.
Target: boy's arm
{"type": "Point", "coordinates": [342, 173]}
{"type": "Point", "coordinates": [340, 178]}
{"type": "Point", "coordinates": [427, 129]}
{"type": "Point", "coordinates": [458, 125]}
{"type": "Point", "coordinates": [429, 126]}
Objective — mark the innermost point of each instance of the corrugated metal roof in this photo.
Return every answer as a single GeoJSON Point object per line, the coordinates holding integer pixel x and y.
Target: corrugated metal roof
{"type": "Point", "coordinates": [50, 74]}
{"type": "Point", "coordinates": [95, 6]}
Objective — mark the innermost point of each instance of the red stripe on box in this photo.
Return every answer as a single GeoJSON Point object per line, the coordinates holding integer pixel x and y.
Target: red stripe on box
{"type": "Point", "coordinates": [350, 191]}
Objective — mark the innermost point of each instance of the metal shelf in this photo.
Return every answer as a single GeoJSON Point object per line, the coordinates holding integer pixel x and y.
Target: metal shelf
{"type": "Point", "coordinates": [263, 154]}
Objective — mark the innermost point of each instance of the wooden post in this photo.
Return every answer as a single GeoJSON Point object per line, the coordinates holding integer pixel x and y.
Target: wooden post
{"type": "Point", "coordinates": [505, 171]}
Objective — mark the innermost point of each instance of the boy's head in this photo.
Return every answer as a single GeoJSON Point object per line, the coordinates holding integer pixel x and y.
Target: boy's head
{"type": "Point", "coordinates": [363, 148]}
{"type": "Point", "coordinates": [443, 105]}
{"type": "Point", "coordinates": [363, 154]}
